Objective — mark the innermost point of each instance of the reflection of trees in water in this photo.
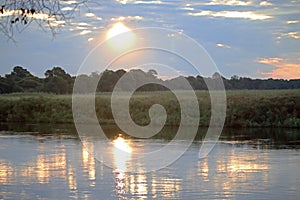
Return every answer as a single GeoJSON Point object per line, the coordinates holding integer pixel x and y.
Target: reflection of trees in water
{"type": "Point", "coordinates": [229, 171]}
{"type": "Point", "coordinates": [41, 169]}
{"type": "Point", "coordinates": [263, 137]}
{"type": "Point", "coordinates": [224, 172]}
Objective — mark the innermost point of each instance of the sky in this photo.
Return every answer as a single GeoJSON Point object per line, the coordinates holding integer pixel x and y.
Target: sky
{"type": "Point", "coordinates": [247, 38]}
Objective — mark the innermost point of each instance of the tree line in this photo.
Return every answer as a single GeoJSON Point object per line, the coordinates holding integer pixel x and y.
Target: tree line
{"type": "Point", "coordinates": [58, 81]}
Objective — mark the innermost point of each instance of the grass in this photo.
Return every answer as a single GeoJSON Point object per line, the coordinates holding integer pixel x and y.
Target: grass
{"type": "Point", "coordinates": [263, 108]}
{"type": "Point", "coordinates": [245, 108]}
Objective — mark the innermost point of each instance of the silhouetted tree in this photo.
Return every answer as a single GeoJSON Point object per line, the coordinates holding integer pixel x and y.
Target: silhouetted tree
{"type": "Point", "coordinates": [58, 81]}
{"type": "Point", "coordinates": [20, 72]}
{"type": "Point", "coordinates": [20, 80]}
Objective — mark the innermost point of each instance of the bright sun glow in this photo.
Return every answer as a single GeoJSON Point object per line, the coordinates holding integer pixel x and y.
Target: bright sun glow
{"type": "Point", "coordinates": [122, 144]}
{"type": "Point", "coordinates": [120, 36]}
{"type": "Point", "coordinates": [121, 153]}
{"type": "Point", "coordinates": [116, 29]}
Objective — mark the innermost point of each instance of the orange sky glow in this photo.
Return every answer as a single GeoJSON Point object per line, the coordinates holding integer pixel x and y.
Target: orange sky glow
{"type": "Point", "coordinates": [283, 68]}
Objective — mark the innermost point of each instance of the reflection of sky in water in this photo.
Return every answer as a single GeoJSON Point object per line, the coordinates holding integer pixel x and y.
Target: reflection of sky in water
{"type": "Point", "coordinates": [61, 169]}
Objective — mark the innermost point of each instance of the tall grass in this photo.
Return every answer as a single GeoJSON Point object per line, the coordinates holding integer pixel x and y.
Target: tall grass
{"type": "Point", "coordinates": [245, 108]}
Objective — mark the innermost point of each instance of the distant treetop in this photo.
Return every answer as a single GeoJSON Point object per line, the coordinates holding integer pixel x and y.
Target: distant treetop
{"type": "Point", "coordinates": [58, 81]}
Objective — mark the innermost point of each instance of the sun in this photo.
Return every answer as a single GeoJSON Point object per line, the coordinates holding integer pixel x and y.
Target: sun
{"type": "Point", "coordinates": [119, 36]}
{"type": "Point", "coordinates": [117, 29]}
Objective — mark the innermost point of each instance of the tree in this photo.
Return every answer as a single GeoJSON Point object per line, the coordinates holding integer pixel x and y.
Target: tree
{"type": "Point", "coordinates": [16, 15]}
{"type": "Point", "coordinates": [5, 85]}
{"type": "Point", "coordinates": [152, 72]}
{"type": "Point", "coordinates": [30, 84]}
{"type": "Point", "coordinates": [58, 81]}
{"type": "Point", "coordinates": [108, 81]}
{"type": "Point", "coordinates": [235, 77]}
{"type": "Point", "coordinates": [216, 75]}
{"type": "Point", "coordinates": [20, 80]}
{"type": "Point", "coordinates": [20, 72]}
{"type": "Point", "coordinates": [86, 84]}
{"type": "Point", "coordinates": [57, 72]}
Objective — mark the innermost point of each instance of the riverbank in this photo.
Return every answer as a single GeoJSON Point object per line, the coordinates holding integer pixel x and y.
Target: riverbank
{"type": "Point", "coordinates": [245, 108]}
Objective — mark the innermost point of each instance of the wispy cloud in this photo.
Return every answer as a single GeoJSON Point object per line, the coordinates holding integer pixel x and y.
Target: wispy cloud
{"type": "Point", "coordinates": [90, 39]}
{"type": "Point", "coordinates": [84, 32]}
{"type": "Point", "coordinates": [187, 8]}
{"type": "Point", "coordinates": [294, 35]}
{"type": "Point", "coordinates": [130, 18]}
{"type": "Point", "coordinates": [69, 2]}
{"type": "Point", "coordinates": [292, 22]}
{"type": "Point", "coordinates": [148, 2]}
{"type": "Point", "coordinates": [270, 61]}
{"type": "Point", "coordinates": [265, 3]}
{"type": "Point", "coordinates": [36, 15]}
{"type": "Point", "coordinates": [67, 8]}
{"type": "Point", "coordinates": [283, 68]}
{"type": "Point", "coordinates": [232, 14]}
{"type": "Point", "coordinates": [90, 14]}
{"type": "Point", "coordinates": [55, 23]}
{"type": "Point", "coordinates": [230, 2]}
{"type": "Point", "coordinates": [223, 46]}
{"type": "Point", "coordinates": [139, 2]}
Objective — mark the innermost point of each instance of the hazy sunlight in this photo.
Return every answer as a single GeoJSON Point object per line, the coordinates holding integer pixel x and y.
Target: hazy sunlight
{"type": "Point", "coordinates": [119, 36]}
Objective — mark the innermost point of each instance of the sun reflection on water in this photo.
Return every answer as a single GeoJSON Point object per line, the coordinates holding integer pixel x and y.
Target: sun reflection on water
{"type": "Point", "coordinates": [51, 165]}
{"type": "Point", "coordinates": [121, 156]}
{"type": "Point", "coordinates": [122, 144]}
{"type": "Point", "coordinates": [121, 153]}
{"type": "Point", "coordinates": [5, 172]}
{"type": "Point", "coordinates": [88, 162]}
{"type": "Point", "coordinates": [228, 170]}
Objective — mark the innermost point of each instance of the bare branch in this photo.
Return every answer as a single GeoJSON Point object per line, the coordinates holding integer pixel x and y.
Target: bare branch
{"type": "Point", "coordinates": [17, 15]}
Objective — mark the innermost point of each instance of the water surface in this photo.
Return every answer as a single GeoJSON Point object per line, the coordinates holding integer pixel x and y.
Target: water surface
{"type": "Point", "coordinates": [51, 163]}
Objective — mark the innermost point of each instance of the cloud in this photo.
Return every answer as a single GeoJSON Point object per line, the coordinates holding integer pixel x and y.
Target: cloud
{"type": "Point", "coordinates": [90, 14]}
{"type": "Point", "coordinates": [83, 24]}
{"type": "Point", "coordinates": [223, 46]}
{"type": "Point", "coordinates": [283, 68]}
{"type": "Point", "coordinates": [130, 18]}
{"type": "Point", "coordinates": [139, 2]}
{"type": "Point", "coordinates": [230, 2]}
{"type": "Point", "coordinates": [84, 32]}
{"type": "Point", "coordinates": [294, 35]}
{"type": "Point", "coordinates": [232, 14]}
{"type": "Point", "coordinates": [57, 23]}
{"type": "Point", "coordinates": [187, 8]}
{"type": "Point", "coordinates": [265, 3]}
{"type": "Point", "coordinates": [36, 15]}
{"type": "Point", "coordinates": [67, 8]}
{"type": "Point", "coordinates": [69, 2]}
{"type": "Point", "coordinates": [270, 61]}
{"type": "Point", "coordinates": [148, 2]}
{"type": "Point", "coordinates": [80, 26]}
{"type": "Point", "coordinates": [292, 22]}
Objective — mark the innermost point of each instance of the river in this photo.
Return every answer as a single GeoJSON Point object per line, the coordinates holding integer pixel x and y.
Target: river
{"type": "Point", "coordinates": [48, 162]}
